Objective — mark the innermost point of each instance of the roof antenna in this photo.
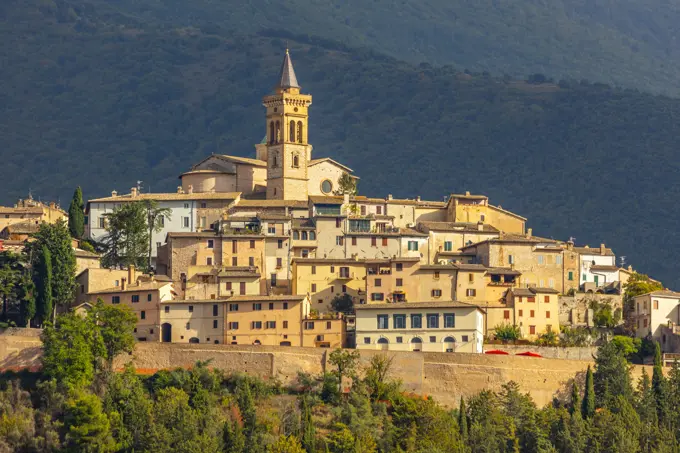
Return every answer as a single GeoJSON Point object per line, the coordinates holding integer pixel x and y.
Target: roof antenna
{"type": "Point", "coordinates": [623, 260]}
{"type": "Point", "coordinates": [139, 186]}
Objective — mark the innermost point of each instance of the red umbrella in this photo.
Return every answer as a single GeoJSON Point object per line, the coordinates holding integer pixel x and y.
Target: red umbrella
{"type": "Point", "coordinates": [530, 354]}
{"type": "Point", "coordinates": [497, 352]}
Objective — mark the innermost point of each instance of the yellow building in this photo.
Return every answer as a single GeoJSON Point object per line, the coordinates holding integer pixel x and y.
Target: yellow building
{"type": "Point", "coordinates": [536, 311]}
{"type": "Point", "coordinates": [392, 280]}
{"type": "Point", "coordinates": [420, 326]}
{"type": "Point", "coordinates": [95, 279]}
{"type": "Point", "coordinates": [192, 321]}
{"type": "Point", "coordinates": [446, 238]}
{"type": "Point", "coordinates": [324, 279]}
{"type": "Point", "coordinates": [325, 332]}
{"type": "Point", "coordinates": [266, 320]}
{"type": "Point", "coordinates": [436, 282]}
{"type": "Point", "coordinates": [476, 208]}
{"type": "Point", "coordinates": [31, 211]}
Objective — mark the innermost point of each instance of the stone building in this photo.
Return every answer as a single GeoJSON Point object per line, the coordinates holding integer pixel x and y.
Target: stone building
{"type": "Point", "coordinates": [30, 211]}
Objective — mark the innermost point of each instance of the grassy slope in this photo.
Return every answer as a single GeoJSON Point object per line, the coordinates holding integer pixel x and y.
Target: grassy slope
{"type": "Point", "coordinates": [87, 101]}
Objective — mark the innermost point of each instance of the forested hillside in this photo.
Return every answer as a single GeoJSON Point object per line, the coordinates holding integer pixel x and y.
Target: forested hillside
{"type": "Point", "coordinates": [95, 97]}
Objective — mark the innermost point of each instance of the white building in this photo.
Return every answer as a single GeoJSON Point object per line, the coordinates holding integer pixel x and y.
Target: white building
{"type": "Point", "coordinates": [420, 326]}
{"type": "Point", "coordinates": [190, 212]}
{"type": "Point", "coordinates": [597, 266]}
{"type": "Point", "coordinates": [656, 310]}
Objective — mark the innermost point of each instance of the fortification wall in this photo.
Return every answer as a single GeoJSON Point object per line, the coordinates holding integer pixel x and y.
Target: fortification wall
{"type": "Point", "coordinates": [444, 376]}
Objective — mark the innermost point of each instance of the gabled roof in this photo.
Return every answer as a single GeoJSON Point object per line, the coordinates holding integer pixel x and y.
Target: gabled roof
{"type": "Point", "coordinates": [532, 291]}
{"type": "Point", "coordinates": [287, 78]}
{"type": "Point", "coordinates": [326, 199]}
{"type": "Point", "coordinates": [23, 228]}
{"type": "Point", "coordinates": [417, 305]}
{"type": "Point", "coordinates": [170, 197]}
{"type": "Point", "coordinates": [328, 159]}
{"type": "Point", "coordinates": [463, 227]}
{"type": "Point", "coordinates": [241, 160]}
{"type": "Point", "coordinates": [662, 293]}
{"type": "Point", "coordinates": [593, 251]}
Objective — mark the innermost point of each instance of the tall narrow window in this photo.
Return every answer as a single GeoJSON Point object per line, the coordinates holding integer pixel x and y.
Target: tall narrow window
{"type": "Point", "coordinates": [278, 132]}
{"type": "Point", "coordinates": [291, 136]}
{"type": "Point", "coordinates": [271, 132]}
{"type": "Point", "coordinates": [299, 132]}
{"type": "Point", "coordinates": [296, 161]}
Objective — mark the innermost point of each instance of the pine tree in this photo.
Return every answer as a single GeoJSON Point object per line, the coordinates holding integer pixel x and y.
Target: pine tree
{"type": "Point", "coordinates": [233, 437]}
{"type": "Point", "coordinates": [588, 406]}
{"type": "Point", "coordinates": [76, 215]}
{"type": "Point", "coordinates": [660, 387]}
{"type": "Point", "coordinates": [575, 398]}
{"type": "Point", "coordinates": [308, 430]}
{"type": "Point", "coordinates": [646, 400]}
{"type": "Point", "coordinates": [43, 284]}
{"type": "Point", "coordinates": [26, 295]}
{"type": "Point", "coordinates": [462, 419]}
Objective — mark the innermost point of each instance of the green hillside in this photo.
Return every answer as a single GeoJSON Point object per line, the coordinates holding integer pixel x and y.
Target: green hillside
{"type": "Point", "coordinates": [625, 42]}
{"type": "Point", "coordinates": [94, 97]}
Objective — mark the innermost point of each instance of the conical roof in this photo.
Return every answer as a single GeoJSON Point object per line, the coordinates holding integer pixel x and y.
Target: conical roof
{"type": "Point", "coordinates": [287, 77]}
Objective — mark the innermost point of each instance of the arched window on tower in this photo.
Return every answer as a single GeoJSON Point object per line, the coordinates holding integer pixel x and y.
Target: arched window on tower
{"type": "Point", "coordinates": [271, 132]}
{"type": "Point", "coordinates": [275, 160]}
{"type": "Point", "coordinates": [291, 136]}
{"type": "Point", "coordinates": [278, 132]}
{"type": "Point", "coordinates": [296, 161]}
{"type": "Point", "coordinates": [299, 132]}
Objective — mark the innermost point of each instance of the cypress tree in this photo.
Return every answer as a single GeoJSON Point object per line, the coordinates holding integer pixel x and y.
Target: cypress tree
{"type": "Point", "coordinates": [234, 440]}
{"type": "Point", "coordinates": [76, 216]}
{"type": "Point", "coordinates": [462, 419]}
{"type": "Point", "coordinates": [588, 406]}
{"type": "Point", "coordinates": [308, 431]}
{"type": "Point", "coordinates": [575, 398]}
{"type": "Point", "coordinates": [43, 286]}
{"type": "Point", "coordinates": [659, 386]}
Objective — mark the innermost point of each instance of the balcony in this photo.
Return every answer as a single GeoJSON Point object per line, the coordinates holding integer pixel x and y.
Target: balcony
{"type": "Point", "coordinates": [379, 271]}
{"type": "Point", "coordinates": [345, 275]}
{"type": "Point", "coordinates": [304, 243]}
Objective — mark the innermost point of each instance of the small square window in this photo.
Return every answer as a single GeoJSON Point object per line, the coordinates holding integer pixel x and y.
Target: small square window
{"type": "Point", "coordinates": [367, 340]}
{"type": "Point", "coordinates": [400, 339]}
{"type": "Point", "coordinates": [433, 339]}
{"type": "Point", "coordinates": [191, 308]}
{"type": "Point", "coordinates": [167, 309]}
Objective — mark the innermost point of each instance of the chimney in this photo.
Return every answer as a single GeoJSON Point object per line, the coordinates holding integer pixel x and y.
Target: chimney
{"type": "Point", "coordinates": [418, 198]}
{"type": "Point", "coordinates": [131, 274]}
{"type": "Point", "coordinates": [529, 233]}
{"type": "Point", "coordinates": [179, 189]}
{"type": "Point", "coordinates": [630, 268]}
{"type": "Point", "coordinates": [389, 196]}
{"type": "Point", "coordinates": [480, 225]}
{"type": "Point", "coordinates": [122, 283]}
{"type": "Point", "coordinates": [133, 192]}
{"type": "Point", "coordinates": [114, 193]}
{"type": "Point", "coordinates": [190, 189]}
{"type": "Point", "coordinates": [570, 245]}
{"type": "Point", "coordinates": [603, 249]}
{"type": "Point", "coordinates": [52, 204]}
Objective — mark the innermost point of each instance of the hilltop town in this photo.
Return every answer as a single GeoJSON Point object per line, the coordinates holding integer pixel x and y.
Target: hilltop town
{"type": "Point", "coordinates": [281, 249]}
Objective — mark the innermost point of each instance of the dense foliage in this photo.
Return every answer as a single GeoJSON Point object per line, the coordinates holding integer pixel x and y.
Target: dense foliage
{"type": "Point", "coordinates": [119, 98]}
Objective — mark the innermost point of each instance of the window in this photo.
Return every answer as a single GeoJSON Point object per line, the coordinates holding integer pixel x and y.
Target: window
{"type": "Point", "coordinates": [532, 330]}
{"type": "Point", "coordinates": [384, 242]}
{"type": "Point", "coordinates": [571, 276]}
{"type": "Point", "coordinates": [378, 210]}
{"type": "Point", "coordinates": [326, 186]}
{"type": "Point", "coordinates": [656, 305]}
{"type": "Point", "coordinates": [279, 263]}
{"type": "Point", "coordinates": [363, 210]}
{"type": "Point", "coordinates": [558, 259]}
{"type": "Point", "coordinates": [338, 222]}
{"type": "Point", "coordinates": [521, 313]}
{"type": "Point", "coordinates": [367, 340]}
{"type": "Point", "coordinates": [531, 299]}
{"type": "Point", "coordinates": [167, 309]}
{"type": "Point", "coordinates": [399, 321]}
{"type": "Point", "coordinates": [339, 240]}
{"type": "Point", "coordinates": [251, 261]}
{"type": "Point", "coordinates": [471, 277]}
{"type": "Point", "coordinates": [354, 240]}
{"type": "Point", "coordinates": [416, 321]}
{"type": "Point", "coordinates": [280, 243]}
{"type": "Point", "coordinates": [214, 323]}
{"type": "Point", "coordinates": [344, 288]}
{"type": "Point", "coordinates": [185, 222]}
{"type": "Point", "coordinates": [234, 260]}
{"type": "Point", "coordinates": [211, 243]}
{"type": "Point", "coordinates": [332, 289]}
{"type": "Point", "coordinates": [344, 272]}
{"type": "Point", "coordinates": [135, 298]}
{"type": "Point", "coordinates": [436, 293]}
{"type": "Point", "coordinates": [551, 283]}
{"type": "Point", "coordinates": [506, 314]}
{"type": "Point", "coordinates": [188, 326]}
{"type": "Point", "coordinates": [142, 314]}
{"type": "Point", "coordinates": [233, 307]}
{"type": "Point", "coordinates": [233, 325]}
{"type": "Point", "coordinates": [413, 246]}
{"type": "Point", "coordinates": [271, 229]}
{"type": "Point", "coordinates": [400, 282]}
{"type": "Point", "coordinates": [296, 235]}
{"type": "Point", "coordinates": [465, 338]}
{"type": "Point", "coordinates": [547, 314]}
{"type": "Point", "coordinates": [644, 322]}
{"type": "Point", "coordinates": [271, 325]}
{"type": "Point", "coordinates": [400, 339]}
{"type": "Point", "coordinates": [436, 275]}
{"type": "Point", "coordinates": [471, 292]}
{"type": "Point", "coordinates": [546, 299]}
{"type": "Point", "coordinates": [296, 161]}
{"type": "Point", "coordinates": [328, 325]}
{"type": "Point", "coordinates": [116, 283]}
{"type": "Point", "coordinates": [149, 297]}
{"type": "Point", "coordinates": [102, 222]}
{"type": "Point", "coordinates": [228, 286]}
{"type": "Point", "coordinates": [257, 324]}
{"type": "Point", "coordinates": [531, 313]}
{"type": "Point", "coordinates": [215, 309]}
{"type": "Point", "coordinates": [449, 320]}
{"type": "Point", "coordinates": [285, 305]}
{"type": "Point", "coordinates": [400, 267]}
{"type": "Point", "coordinates": [304, 235]}
{"type": "Point", "coordinates": [511, 259]}
{"type": "Point", "coordinates": [377, 296]}
{"type": "Point", "coordinates": [378, 282]}
{"type": "Point", "coordinates": [186, 205]}
{"type": "Point", "coordinates": [448, 246]}
{"type": "Point", "coordinates": [313, 287]}
{"type": "Point", "coordinates": [540, 259]}
{"type": "Point", "coordinates": [285, 324]}
{"type": "Point", "coordinates": [312, 236]}
{"type": "Point", "coordinates": [191, 308]}
{"type": "Point", "coordinates": [257, 306]}
{"type": "Point", "coordinates": [271, 305]}
{"type": "Point", "coordinates": [115, 299]}
{"type": "Point", "coordinates": [209, 261]}
{"type": "Point", "coordinates": [585, 278]}
{"type": "Point", "coordinates": [432, 321]}
{"type": "Point", "coordinates": [383, 322]}
{"type": "Point", "coordinates": [309, 325]}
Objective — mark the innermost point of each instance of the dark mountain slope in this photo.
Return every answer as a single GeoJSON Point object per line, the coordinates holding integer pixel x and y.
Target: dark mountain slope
{"type": "Point", "coordinates": [102, 99]}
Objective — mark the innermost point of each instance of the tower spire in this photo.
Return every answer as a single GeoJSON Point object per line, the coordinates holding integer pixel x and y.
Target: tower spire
{"type": "Point", "coordinates": [287, 77]}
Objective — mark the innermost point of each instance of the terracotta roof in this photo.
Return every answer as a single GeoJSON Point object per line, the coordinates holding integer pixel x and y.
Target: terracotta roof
{"type": "Point", "coordinates": [326, 260]}
{"type": "Point", "coordinates": [498, 208]}
{"type": "Point", "coordinates": [533, 291]}
{"type": "Point", "coordinates": [512, 238]}
{"type": "Point", "coordinates": [135, 287]}
{"type": "Point", "coordinates": [80, 253]}
{"type": "Point", "coordinates": [17, 210]}
{"type": "Point", "coordinates": [23, 228]}
{"type": "Point", "coordinates": [459, 226]}
{"type": "Point", "coordinates": [242, 160]}
{"type": "Point", "coordinates": [265, 216]}
{"type": "Point", "coordinates": [593, 251]}
{"type": "Point", "coordinates": [239, 271]}
{"type": "Point", "coordinates": [468, 196]}
{"type": "Point", "coordinates": [438, 267]}
{"type": "Point", "coordinates": [328, 159]}
{"type": "Point", "coordinates": [162, 278]}
{"type": "Point", "coordinates": [471, 267]}
{"type": "Point", "coordinates": [272, 204]}
{"type": "Point", "coordinates": [421, 203]}
{"type": "Point", "coordinates": [416, 305]}
{"type": "Point", "coordinates": [662, 293]}
{"type": "Point", "coordinates": [194, 301]}
{"type": "Point", "coordinates": [170, 197]}
{"type": "Point", "coordinates": [325, 199]}
{"type": "Point", "coordinates": [271, 298]}
{"type": "Point", "coordinates": [195, 234]}
{"type": "Point", "coordinates": [601, 267]}
{"type": "Point", "coordinates": [207, 172]}
{"type": "Point", "coordinates": [411, 232]}
{"type": "Point", "coordinates": [443, 253]}
{"type": "Point", "coordinates": [304, 224]}
{"type": "Point", "coordinates": [502, 271]}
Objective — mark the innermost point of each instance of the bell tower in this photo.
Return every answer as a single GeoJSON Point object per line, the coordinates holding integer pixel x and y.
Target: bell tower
{"type": "Point", "coordinates": [288, 151]}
